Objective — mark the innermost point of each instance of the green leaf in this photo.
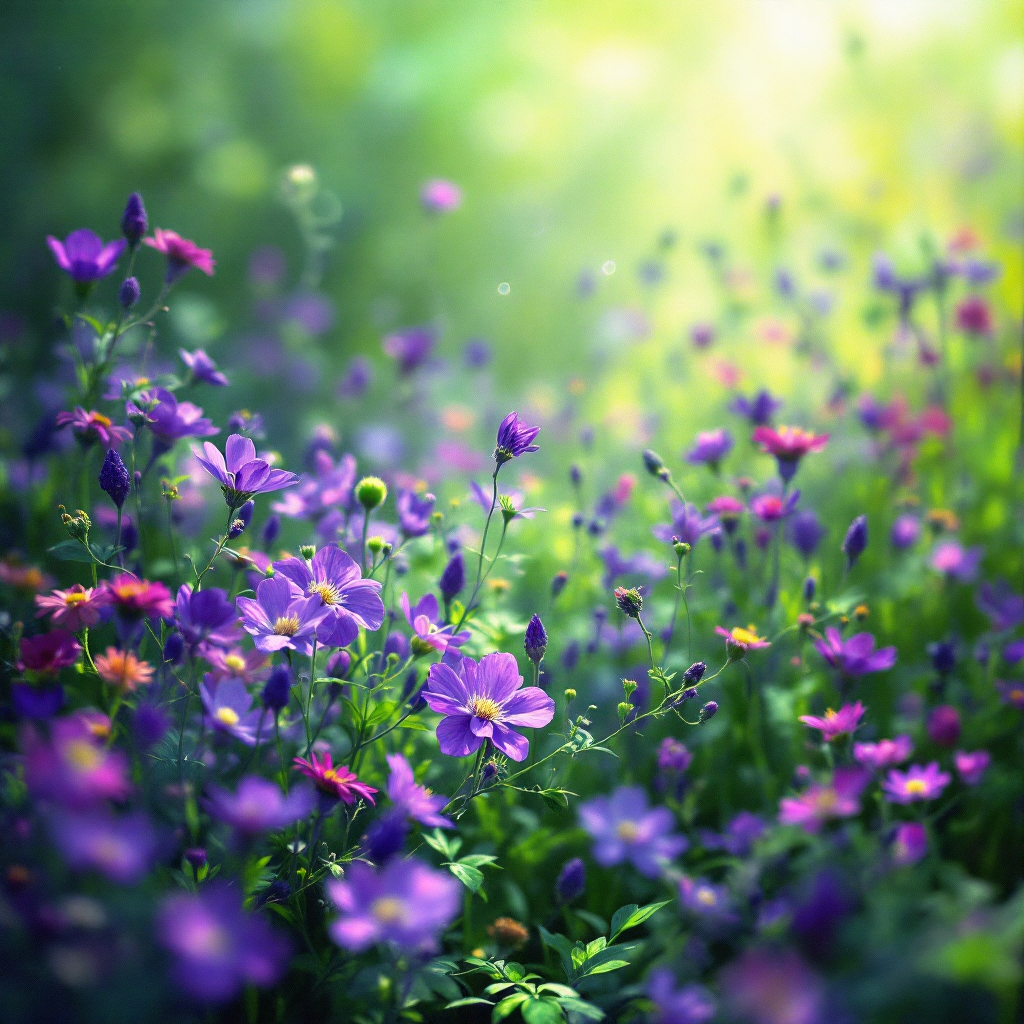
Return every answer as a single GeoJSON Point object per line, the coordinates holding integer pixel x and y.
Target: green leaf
{"type": "Point", "coordinates": [608, 965]}
{"type": "Point", "coordinates": [70, 551]}
{"type": "Point", "coordinates": [498, 986]}
{"type": "Point", "coordinates": [478, 860]}
{"type": "Point", "coordinates": [437, 840]}
{"type": "Point", "coordinates": [415, 723]}
{"type": "Point", "coordinates": [469, 1001]}
{"type": "Point", "coordinates": [559, 990]}
{"type": "Point", "coordinates": [471, 878]}
{"type": "Point", "coordinates": [595, 946]}
{"type": "Point", "coordinates": [542, 1011]}
{"type": "Point", "coordinates": [561, 945]}
{"type": "Point", "coordinates": [630, 916]}
{"type": "Point", "coordinates": [508, 1005]}
{"type": "Point", "coordinates": [583, 1008]}
{"type": "Point", "coordinates": [514, 971]}
{"type": "Point", "coordinates": [579, 956]}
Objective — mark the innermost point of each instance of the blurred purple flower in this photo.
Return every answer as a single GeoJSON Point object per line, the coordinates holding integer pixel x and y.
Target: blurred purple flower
{"type": "Point", "coordinates": [836, 723]}
{"type": "Point", "coordinates": [773, 986]}
{"type": "Point", "coordinates": [909, 844]}
{"type": "Point", "coordinates": [687, 525]}
{"type": "Point", "coordinates": [203, 368]}
{"type": "Point", "coordinates": [710, 447]}
{"type": "Point", "coordinates": [857, 655]}
{"type": "Point", "coordinates": [171, 420]}
{"type": "Point", "coordinates": [905, 532]}
{"type": "Point", "coordinates": [414, 512]}
{"type": "Point", "coordinates": [884, 753]}
{"type": "Point", "coordinates": [84, 257]}
{"type": "Point", "coordinates": [205, 616]}
{"type": "Point", "coordinates": [258, 806]}
{"type": "Point", "coordinates": [955, 561]}
{"type": "Point", "coordinates": [916, 783]}
{"type": "Point", "coordinates": [820, 803]}
{"type": "Point", "coordinates": [416, 801]}
{"type": "Point", "coordinates": [691, 1004]}
{"type": "Point", "coordinates": [805, 531]}
{"type": "Point", "coordinates": [971, 766]}
{"type": "Point", "coordinates": [711, 903]}
{"type": "Point", "coordinates": [757, 410]}
{"type": "Point", "coordinates": [1003, 606]}
{"type": "Point", "coordinates": [120, 847]}
{"type": "Point", "coordinates": [229, 709]}
{"type": "Point", "coordinates": [439, 195]}
{"type": "Point", "coordinates": [425, 620]}
{"type": "Point", "coordinates": [410, 348]}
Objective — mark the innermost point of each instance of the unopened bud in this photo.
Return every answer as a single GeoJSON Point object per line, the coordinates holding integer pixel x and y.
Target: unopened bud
{"type": "Point", "coordinates": [708, 711]}
{"type": "Point", "coordinates": [307, 551]}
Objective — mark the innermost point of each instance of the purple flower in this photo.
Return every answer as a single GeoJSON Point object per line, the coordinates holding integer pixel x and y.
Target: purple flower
{"type": "Point", "coordinates": [440, 196]}
{"type": "Point", "coordinates": [203, 368]}
{"type": "Point", "coordinates": [217, 946]}
{"type": "Point", "coordinates": [536, 640]}
{"type": "Point", "coordinates": [120, 847]}
{"type": "Point", "coordinates": [709, 902]}
{"type": "Point", "coordinates": [905, 532]}
{"type": "Point", "coordinates": [971, 766]}
{"type": "Point", "coordinates": [357, 379]}
{"type": "Point", "coordinates": [702, 335]}
{"type": "Point", "coordinates": [482, 701]}
{"type": "Point", "coordinates": [205, 616]}
{"type": "Point", "coordinates": [673, 755]}
{"type": "Point", "coordinates": [417, 801]}
{"type": "Point", "coordinates": [770, 508]}
{"type": "Point", "coordinates": [406, 904]}
{"type": "Point", "coordinates": [909, 844]}
{"type": "Point", "coordinates": [738, 838]}
{"type": "Point", "coordinates": [710, 447]}
{"type": "Point", "coordinates": [258, 806]}
{"type": "Point", "coordinates": [114, 479]}
{"type": "Point", "coordinates": [515, 438]}
{"type": "Point", "coordinates": [855, 541]}
{"type": "Point", "coordinates": [884, 753]}
{"type": "Point", "coordinates": [83, 255]}
{"type": "Point", "coordinates": [133, 220]}
{"type": "Point", "coordinates": [348, 601]}
{"type": "Point", "coordinates": [805, 532]}
{"type": "Point", "coordinates": [280, 618]}
{"type": "Point", "coordinates": [242, 475]}
{"type": "Point", "coordinates": [836, 723]}
{"type": "Point", "coordinates": [572, 880]}
{"type": "Point", "coordinates": [916, 783]}
{"type": "Point", "coordinates": [424, 619]}
{"type": "Point", "coordinates": [89, 427]}
{"type": "Point", "coordinates": [641, 564]}
{"type": "Point", "coordinates": [410, 348]}
{"type": "Point", "coordinates": [856, 656]}
{"type": "Point", "coordinates": [453, 579]}
{"type": "Point", "coordinates": [624, 828]}
{"type": "Point", "coordinates": [1003, 606]}
{"type": "Point", "coordinates": [414, 512]}
{"type": "Point", "coordinates": [820, 803]}
{"type": "Point", "coordinates": [770, 986]}
{"type": "Point", "coordinates": [229, 710]}
{"type": "Point", "coordinates": [944, 725]}
{"type": "Point", "coordinates": [955, 561]}
{"type": "Point", "coordinates": [1011, 692]}
{"type": "Point", "coordinates": [476, 353]}
{"type": "Point", "coordinates": [687, 525]}
{"type": "Point", "coordinates": [316, 495]}
{"type": "Point", "coordinates": [171, 420]}
{"type": "Point", "coordinates": [691, 1004]}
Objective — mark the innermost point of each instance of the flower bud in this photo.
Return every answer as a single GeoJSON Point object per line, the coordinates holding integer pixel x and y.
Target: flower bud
{"type": "Point", "coordinates": [174, 649]}
{"type": "Point", "coordinates": [371, 492]}
{"type": "Point", "coordinates": [571, 881]}
{"type": "Point", "coordinates": [133, 220]}
{"type": "Point", "coordinates": [375, 545]}
{"type": "Point", "coordinates": [624, 709]}
{"type": "Point", "coordinates": [271, 529]}
{"type": "Point", "coordinates": [558, 583]}
{"type": "Point", "coordinates": [629, 601]}
{"type": "Point", "coordinates": [575, 475]}
{"type": "Point", "coordinates": [680, 547]}
{"type": "Point", "coordinates": [307, 551]}
{"type": "Point", "coordinates": [810, 587]}
{"type": "Point", "coordinates": [278, 687]}
{"type": "Point", "coordinates": [129, 293]}
{"type": "Point", "coordinates": [695, 673]}
{"type": "Point", "coordinates": [453, 579]}
{"type": "Point", "coordinates": [115, 480]}
{"type": "Point", "coordinates": [570, 694]}
{"type": "Point", "coordinates": [655, 464]}
{"type": "Point", "coordinates": [855, 541]}
{"type": "Point", "coordinates": [536, 641]}
{"type": "Point", "coordinates": [196, 856]}
{"type": "Point", "coordinates": [708, 711]}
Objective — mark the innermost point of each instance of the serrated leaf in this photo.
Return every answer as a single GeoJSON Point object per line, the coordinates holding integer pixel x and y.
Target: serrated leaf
{"type": "Point", "coordinates": [437, 840]}
{"type": "Point", "coordinates": [471, 878]}
{"type": "Point", "coordinates": [630, 916]}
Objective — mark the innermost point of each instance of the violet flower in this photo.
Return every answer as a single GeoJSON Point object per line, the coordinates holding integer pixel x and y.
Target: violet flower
{"type": "Point", "coordinates": [416, 801]}
{"type": "Point", "coordinates": [773, 986]}
{"type": "Point", "coordinates": [770, 508]}
{"type": "Point", "coordinates": [203, 368]}
{"type": "Point", "coordinates": [483, 701]}
{"type": "Point", "coordinates": [515, 438]}
{"type": "Point", "coordinates": [820, 803]}
{"type": "Point", "coordinates": [84, 257]}
{"type": "Point", "coordinates": [738, 838]}
{"type": "Point", "coordinates": [47, 654]}
{"type": "Point", "coordinates": [625, 828]}
{"type": "Point", "coordinates": [856, 656]}
{"type": "Point", "coordinates": [955, 561]}
{"type": "Point", "coordinates": [710, 447]}
{"type": "Point", "coordinates": [640, 564]}
{"type": "Point", "coordinates": [89, 427]}
{"type": "Point", "coordinates": [406, 904]}
{"type": "Point", "coordinates": [691, 1004]}
{"type": "Point", "coordinates": [687, 525]}
{"type": "Point", "coordinates": [280, 618]}
{"type": "Point", "coordinates": [805, 532]}
{"type": "Point", "coordinates": [971, 766]}
{"type": "Point", "coordinates": [916, 783]}
{"type": "Point", "coordinates": [424, 619]}
{"type": "Point", "coordinates": [708, 902]}
{"type": "Point", "coordinates": [1003, 606]}
{"type": "Point", "coordinates": [836, 723]}
{"type": "Point", "coordinates": [205, 616]}
{"type": "Point", "coordinates": [909, 844]}
{"type": "Point", "coordinates": [317, 494]}
{"type": "Point", "coordinates": [120, 847]}
{"type": "Point", "coordinates": [181, 253]}
{"type": "Point", "coordinates": [884, 753]}
{"type": "Point", "coordinates": [414, 512]}
{"type": "Point", "coordinates": [905, 532]}
{"type": "Point", "coordinates": [229, 710]}
{"type": "Point", "coordinates": [258, 806]}
{"type": "Point", "coordinates": [241, 474]}
{"type": "Point", "coordinates": [410, 348]}
{"type": "Point", "coordinates": [758, 410]}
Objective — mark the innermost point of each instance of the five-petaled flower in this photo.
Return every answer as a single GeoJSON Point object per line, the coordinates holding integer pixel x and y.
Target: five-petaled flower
{"type": "Point", "coordinates": [84, 257]}
{"type": "Point", "coordinates": [424, 618]}
{"type": "Point", "coordinates": [280, 618]}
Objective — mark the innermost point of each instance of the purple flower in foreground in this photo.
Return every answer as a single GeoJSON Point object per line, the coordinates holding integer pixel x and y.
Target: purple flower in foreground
{"type": "Point", "coordinates": [710, 447]}
{"type": "Point", "coordinates": [171, 420]}
{"type": "Point", "coordinates": [417, 801]}
{"type": "Point", "coordinates": [258, 806]}
{"type": "Point", "coordinates": [971, 766]}
{"type": "Point", "coordinates": [909, 844]}
{"type": "Point", "coordinates": [229, 710]}
{"type": "Point", "coordinates": [884, 753]}
{"type": "Point", "coordinates": [241, 474]}
{"type": "Point", "coordinates": [483, 701]}
{"type": "Point", "coordinates": [769, 986]}
{"type": "Point", "coordinates": [410, 348]}
{"type": "Point", "coordinates": [122, 848]}
{"type": "Point", "coordinates": [203, 368]}
{"type": "Point", "coordinates": [916, 783]}
{"type": "Point", "coordinates": [820, 803]}
{"type": "Point", "coordinates": [625, 828]}
{"type": "Point", "coordinates": [406, 904]}
{"type": "Point", "coordinates": [515, 438]}
{"type": "Point", "coordinates": [280, 618]}
{"type": "Point", "coordinates": [84, 257]}
{"type": "Point", "coordinates": [217, 946]}
{"type": "Point", "coordinates": [836, 723]}
{"type": "Point", "coordinates": [691, 1004]}
{"type": "Point", "coordinates": [856, 656]}
{"type": "Point", "coordinates": [348, 601]}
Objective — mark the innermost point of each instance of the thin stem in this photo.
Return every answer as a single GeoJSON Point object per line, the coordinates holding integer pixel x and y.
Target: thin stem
{"type": "Point", "coordinates": [219, 548]}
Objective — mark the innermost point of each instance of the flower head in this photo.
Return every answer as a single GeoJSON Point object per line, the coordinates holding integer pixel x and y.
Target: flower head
{"type": "Point", "coordinates": [1011, 692]}
{"type": "Point", "coordinates": [758, 410]}
{"type": "Point", "coordinates": [405, 904]}
{"type": "Point", "coordinates": [688, 525]}
{"type": "Point", "coordinates": [89, 427]}
{"type": "Point", "coordinates": [424, 619]}
{"type": "Point", "coordinates": [727, 511]}
{"type": "Point", "coordinates": [884, 753]}
{"type": "Point", "coordinates": [710, 447]}
{"type": "Point", "coordinates": [410, 348]}
{"type": "Point", "coordinates": [1003, 606]}
{"type": "Point", "coordinates": [954, 560]}
{"type": "Point", "coordinates": [47, 654]}
{"type": "Point", "coordinates": [258, 806]}
{"type": "Point", "coordinates": [229, 710]}
{"type": "Point", "coordinates": [905, 531]}
{"type": "Point", "coordinates": [84, 257]}
{"type": "Point", "coordinates": [836, 723]}
{"type": "Point", "coordinates": [73, 609]}
{"type": "Point", "coordinates": [170, 420]}
{"type": "Point", "coordinates": [203, 368]}
{"type": "Point", "coordinates": [770, 508]}
{"type": "Point", "coordinates": [515, 438]}
{"type": "Point", "coordinates": [416, 801]}
{"type": "Point", "coordinates": [133, 220]}
{"type": "Point", "coordinates": [205, 616]}
{"type": "Point", "coordinates": [123, 670]}
{"type": "Point", "coordinates": [440, 196]}
{"type": "Point", "coordinates": [855, 541]}
{"type": "Point", "coordinates": [820, 803]}
{"type": "Point", "coordinates": [120, 847]}
{"type": "Point", "coordinates": [453, 579]}
{"type": "Point", "coordinates": [789, 445]}
{"type": "Point", "coordinates": [856, 656]}
{"type": "Point", "coordinates": [971, 766]}
{"type": "Point", "coordinates": [691, 1004]}
{"type": "Point", "coordinates": [916, 783]}
{"type": "Point", "coordinates": [414, 512]}
{"type": "Point", "coordinates": [625, 828]}
{"type": "Point", "coordinates": [706, 901]}
{"type": "Point", "coordinates": [739, 640]}
{"type": "Point", "coordinates": [974, 316]}
{"type": "Point", "coordinates": [339, 783]}
{"type": "Point", "coordinates": [484, 700]}
{"type": "Point", "coordinates": [769, 986]}
{"type": "Point", "coordinates": [136, 599]}
{"type": "Point", "coordinates": [629, 601]}
{"type": "Point", "coordinates": [181, 254]}
{"type": "Point", "coordinates": [944, 725]}
{"type": "Point", "coordinates": [909, 844]}
{"type": "Point", "coordinates": [805, 532]}
{"type": "Point", "coordinates": [241, 474]}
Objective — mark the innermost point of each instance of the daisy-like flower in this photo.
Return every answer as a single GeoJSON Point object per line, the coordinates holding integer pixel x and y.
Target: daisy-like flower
{"type": "Point", "coordinates": [916, 783]}
{"type": "Point", "coordinates": [229, 709]}
{"type": "Point", "coordinates": [515, 438]}
{"type": "Point", "coordinates": [625, 828]}
{"type": "Point", "coordinates": [789, 445]}
{"type": "Point", "coordinates": [134, 599]}
{"type": "Point", "coordinates": [249, 666]}
{"type": "Point", "coordinates": [46, 655]}
{"type": "Point", "coordinates": [280, 618]}
{"type": "Point", "coordinates": [75, 608]}
{"type": "Point", "coordinates": [707, 901]}
{"type": "Point", "coordinates": [241, 474]}
{"type": "Point", "coordinates": [424, 619]}
{"type": "Point", "coordinates": [339, 783]}
{"type": "Point", "coordinates": [122, 848]}
{"type": "Point", "coordinates": [1011, 692]}
{"type": "Point", "coordinates": [727, 510]}
{"type": "Point", "coordinates": [123, 670]}
{"type": "Point", "coordinates": [856, 656]}
{"type": "Point", "coordinates": [84, 257]}
{"type": "Point", "coordinates": [770, 508]}
{"type": "Point", "coordinates": [739, 640]}
{"type": "Point", "coordinates": [417, 801]}
{"type": "Point", "coordinates": [89, 427]}
{"type": "Point", "coordinates": [820, 803]}
{"type": "Point", "coordinates": [884, 753]}
{"type": "Point", "coordinates": [836, 723]}
{"type": "Point", "coordinates": [181, 254]}
{"type": "Point", "coordinates": [333, 578]}
{"type": "Point", "coordinates": [483, 701]}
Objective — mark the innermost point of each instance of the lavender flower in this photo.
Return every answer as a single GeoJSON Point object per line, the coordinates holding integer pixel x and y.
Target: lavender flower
{"type": "Point", "coordinates": [120, 847]}
{"type": "Point", "coordinates": [84, 257]}
{"type": "Point", "coordinates": [453, 579]}
{"type": "Point", "coordinates": [203, 368]}
{"type": "Point", "coordinates": [572, 881]}
{"type": "Point", "coordinates": [805, 532]}
{"type": "Point", "coordinates": [955, 561]}
{"type": "Point", "coordinates": [916, 783]}
{"type": "Point", "coordinates": [707, 902]}
{"type": "Point", "coordinates": [687, 525]}
{"type": "Point", "coordinates": [710, 447]}
{"type": "Point", "coordinates": [133, 220]}
{"type": "Point", "coordinates": [909, 844]}
{"type": "Point", "coordinates": [129, 292]}
{"type": "Point", "coordinates": [483, 701]}
{"type": "Point", "coordinates": [855, 541]}
{"type": "Point", "coordinates": [769, 986]}
{"type": "Point", "coordinates": [171, 420]}
{"type": "Point", "coordinates": [414, 512]}
{"type": "Point", "coordinates": [971, 766]}
{"type": "Point", "coordinates": [905, 532]}
{"type": "Point", "coordinates": [856, 656]}
{"type": "Point", "coordinates": [416, 801]}
{"type": "Point", "coordinates": [205, 616]}
{"type": "Point", "coordinates": [1003, 606]}
{"type": "Point", "coordinates": [229, 710]}
{"type": "Point", "coordinates": [820, 803]}
{"type": "Point", "coordinates": [884, 753]}
{"type": "Point", "coordinates": [114, 478]}
{"type": "Point", "coordinates": [280, 618]}
{"type": "Point", "coordinates": [410, 348]}
{"type": "Point", "coordinates": [242, 475]}
{"type": "Point", "coordinates": [258, 806]}
{"type": "Point", "coordinates": [425, 621]}
{"type": "Point", "coordinates": [515, 438]}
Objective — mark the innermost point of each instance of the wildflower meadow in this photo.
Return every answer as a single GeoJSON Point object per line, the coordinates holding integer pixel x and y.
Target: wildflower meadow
{"type": "Point", "coordinates": [512, 514]}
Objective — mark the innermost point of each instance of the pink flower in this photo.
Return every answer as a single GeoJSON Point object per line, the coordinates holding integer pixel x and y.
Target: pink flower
{"type": "Point", "coordinates": [440, 196]}
{"type": "Point", "coordinates": [739, 640]}
{"type": "Point", "coordinates": [770, 508]}
{"type": "Point", "coordinates": [836, 723]}
{"type": "Point", "coordinates": [971, 766]}
{"type": "Point", "coordinates": [910, 843]}
{"type": "Point", "coordinates": [916, 783]}
{"type": "Point", "coordinates": [181, 254]}
{"type": "Point", "coordinates": [820, 803]}
{"type": "Point", "coordinates": [93, 426]}
{"type": "Point", "coordinates": [138, 599]}
{"type": "Point", "coordinates": [423, 619]}
{"type": "Point", "coordinates": [856, 656]}
{"type": "Point", "coordinates": [944, 725]}
{"type": "Point", "coordinates": [974, 316]}
{"type": "Point", "coordinates": [75, 608]}
{"type": "Point", "coordinates": [954, 560]}
{"type": "Point", "coordinates": [884, 753]}
{"type": "Point", "coordinates": [339, 782]}
{"type": "Point", "coordinates": [47, 654]}
{"type": "Point", "coordinates": [789, 445]}
{"type": "Point", "coordinates": [249, 666]}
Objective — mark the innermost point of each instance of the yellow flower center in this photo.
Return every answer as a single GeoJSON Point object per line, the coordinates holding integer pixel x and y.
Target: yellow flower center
{"type": "Point", "coordinates": [826, 801]}
{"type": "Point", "coordinates": [745, 636]}
{"type": "Point", "coordinates": [227, 716]}
{"type": "Point", "coordinates": [235, 662]}
{"type": "Point", "coordinates": [330, 775]}
{"type": "Point", "coordinates": [388, 910]}
{"type": "Point", "coordinates": [485, 708]}
{"type": "Point", "coordinates": [628, 831]}
{"type": "Point", "coordinates": [707, 897]}
{"type": "Point", "coordinates": [75, 599]}
{"type": "Point", "coordinates": [328, 592]}
{"type": "Point", "coordinates": [98, 417]}
{"type": "Point", "coordinates": [917, 787]}
{"type": "Point", "coordinates": [1017, 695]}
{"type": "Point", "coordinates": [829, 715]}
{"type": "Point", "coordinates": [286, 625]}
{"type": "Point", "coordinates": [83, 755]}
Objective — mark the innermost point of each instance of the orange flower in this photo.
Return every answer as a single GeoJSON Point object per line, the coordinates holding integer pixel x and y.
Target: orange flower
{"type": "Point", "coordinates": [122, 670]}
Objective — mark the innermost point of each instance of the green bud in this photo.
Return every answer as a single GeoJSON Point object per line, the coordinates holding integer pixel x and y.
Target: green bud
{"type": "Point", "coordinates": [78, 525]}
{"type": "Point", "coordinates": [681, 548]}
{"type": "Point", "coordinates": [629, 686]}
{"type": "Point", "coordinates": [375, 545]}
{"type": "Point", "coordinates": [624, 709]}
{"type": "Point", "coordinates": [570, 694]}
{"type": "Point", "coordinates": [307, 551]}
{"type": "Point", "coordinates": [371, 492]}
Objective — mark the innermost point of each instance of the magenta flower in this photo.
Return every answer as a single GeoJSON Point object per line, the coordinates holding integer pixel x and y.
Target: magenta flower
{"type": "Point", "coordinates": [89, 427]}
{"type": "Point", "coordinates": [75, 608]}
{"type": "Point", "coordinates": [405, 904]}
{"type": "Point", "coordinates": [856, 656]}
{"type": "Point", "coordinates": [916, 783]}
{"type": "Point", "coordinates": [203, 368]}
{"type": "Point", "coordinates": [242, 475]}
{"type": "Point", "coordinates": [884, 753]}
{"type": "Point", "coordinates": [339, 783]}
{"type": "Point", "coordinates": [727, 510]}
{"type": "Point", "coordinates": [955, 561]}
{"type": "Point", "coordinates": [181, 254]}
{"type": "Point", "coordinates": [229, 710]}
{"type": "Point", "coordinates": [944, 725]}
{"type": "Point", "coordinates": [279, 618]}
{"type": "Point", "coordinates": [691, 1004]}
{"type": "Point", "coordinates": [84, 257]}
{"type": "Point", "coordinates": [821, 803]}
{"type": "Point", "coordinates": [738, 641]}
{"type": "Point", "coordinates": [258, 806]}
{"type": "Point", "coordinates": [710, 447]}
{"type": "Point", "coordinates": [348, 601]}
{"type": "Point", "coordinates": [971, 766]}
{"type": "Point", "coordinates": [836, 723]}
{"type": "Point", "coordinates": [625, 828]}
{"type": "Point", "coordinates": [135, 599]}
{"type": "Point", "coordinates": [770, 508]}
{"type": "Point", "coordinates": [424, 620]}
{"type": "Point", "coordinates": [789, 445]}
{"type": "Point", "coordinates": [417, 801]}
{"type": "Point", "coordinates": [440, 196]}
{"type": "Point", "coordinates": [773, 986]}
{"type": "Point", "coordinates": [46, 655]}
{"type": "Point", "coordinates": [218, 947]}
{"type": "Point", "coordinates": [909, 844]}
{"type": "Point", "coordinates": [120, 847]}
{"type": "Point", "coordinates": [483, 701]}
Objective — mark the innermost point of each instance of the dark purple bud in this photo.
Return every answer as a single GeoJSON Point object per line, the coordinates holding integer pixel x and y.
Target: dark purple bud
{"type": "Point", "coordinates": [655, 464]}
{"type": "Point", "coordinates": [558, 583]}
{"type": "Point", "coordinates": [196, 856]}
{"type": "Point", "coordinates": [271, 529]}
{"type": "Point", "coordinates": [278, 687]}
{"type": "Point", "coordinates": [243, 517]}
{"type": "Point", "coordinates": [708, 711]}
{"type": "Point", "coordinates": [740, 554]}
{"type": "Point", "coordinates": [338, 665]}
{"type": "Point", "coordinates": [174, 649]}
{"type": "Point", "coordinates": [572, 881]}
{"type": "Point", "coordinates": [694, 674]}
{"type": "Point", "coordinates": [536, 640]}
{"type": "Point", "coordinates": [490, 771]}
{"type": "Point", "coordinates": [150, 724]}
{"type": "Point", "coordinates": [575, 475]}
{"type": "Point", "coordinates": [629, 601]}
{"type": "Point", "coordinates": [686, 695]}
{"type": "Point", "coordinates": [856, 540]}
{"type": "Point", "coordinates": [133, 220]}
{"type": "Point", "coordinates": [385, 838]}
{"type": "Point", "coordinates": [810, 587]}
{"type": "Point", "coordinates": [944, 726]}
{"type": "Point", "coordinates": [114, 478]}
{"type": "Point", "coordinates": [129, 293]}
{"type": "Point", "coordinates": [805, 532]}
{"type": "Point", "coordinates": [571, 655]}
{"type": "Point", "coordinates": [453, 579]}
{"type": "Point", "coordinates": [943, 655]}
{"type": "Point", "coordinates": [138, 478]}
